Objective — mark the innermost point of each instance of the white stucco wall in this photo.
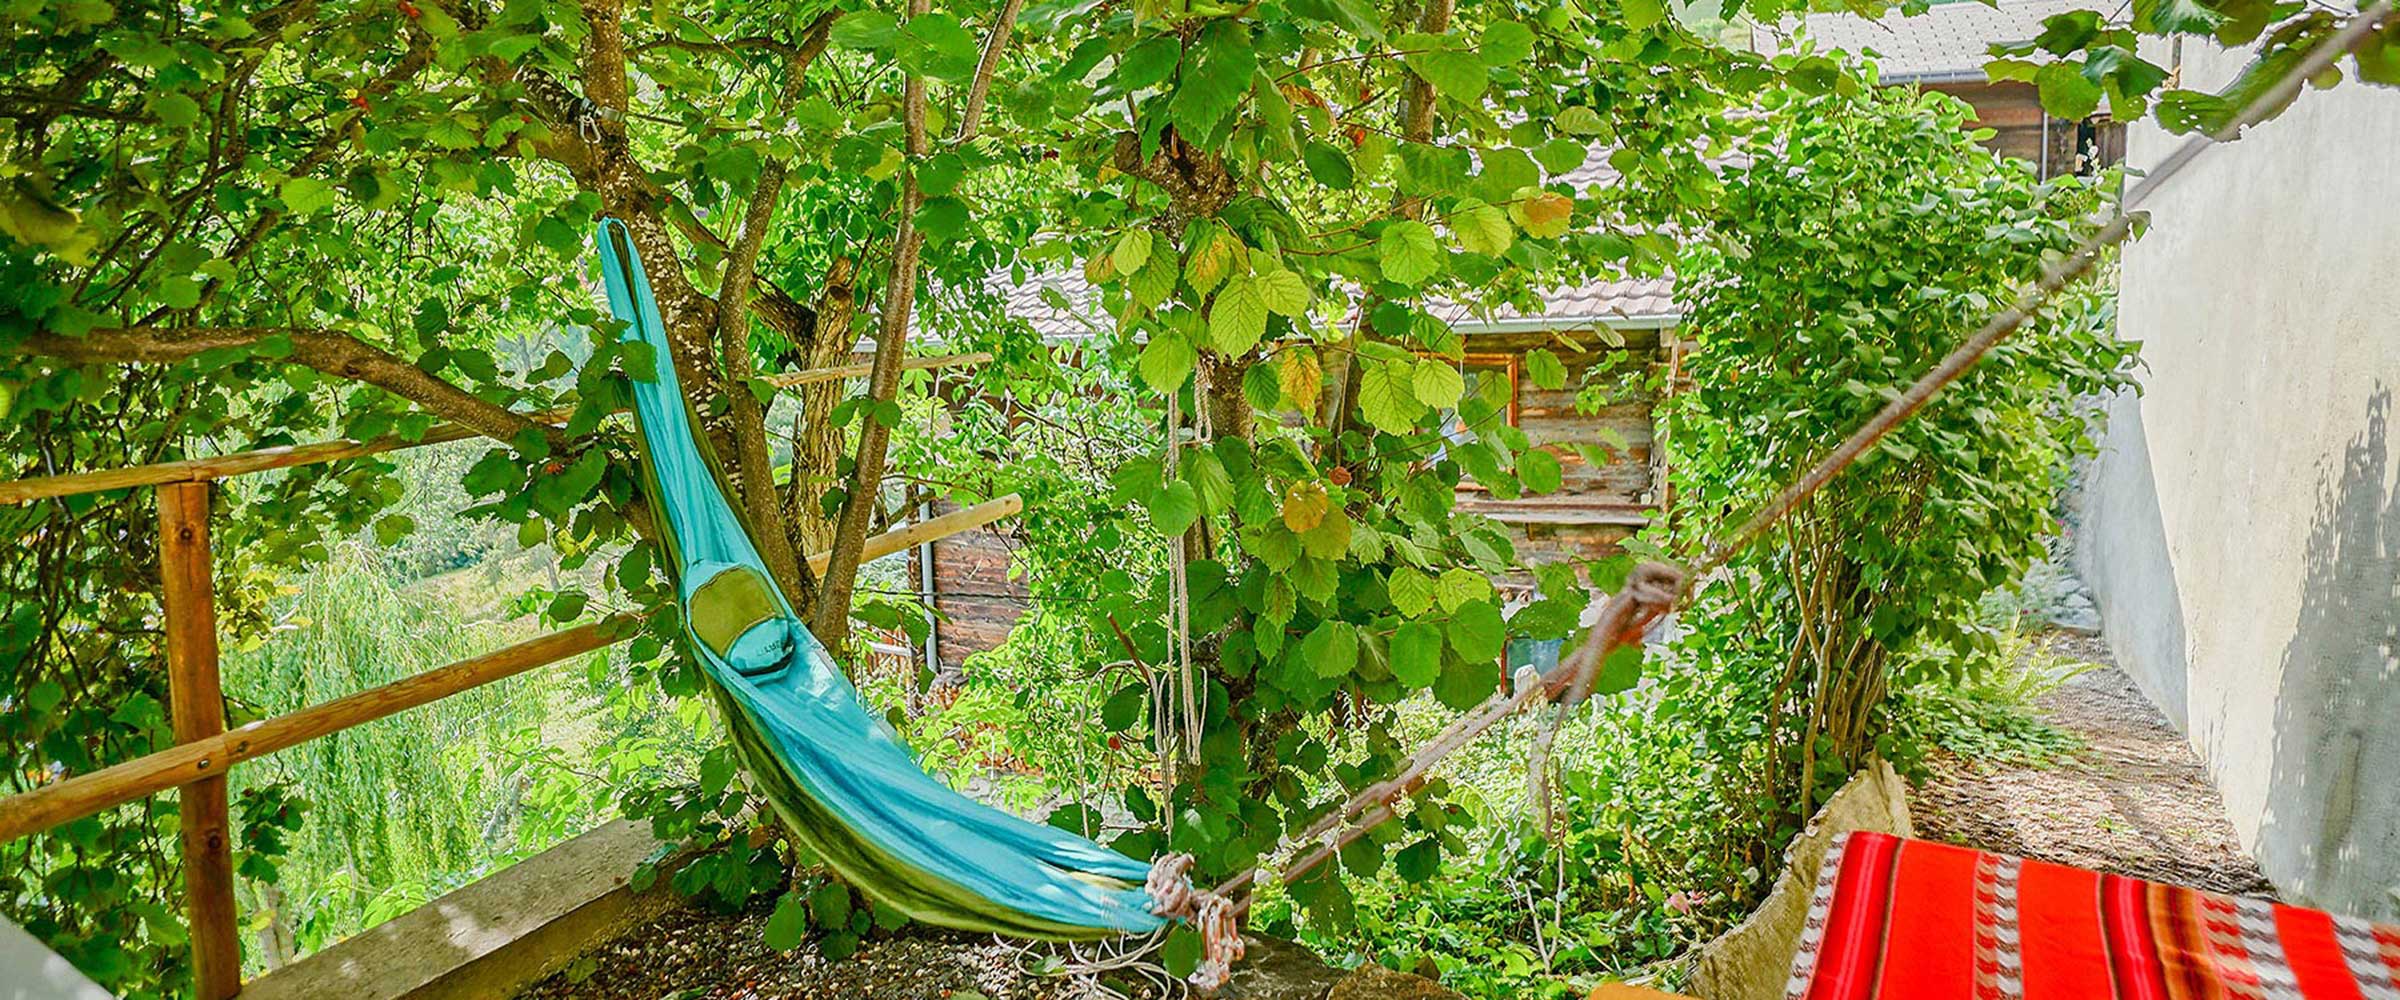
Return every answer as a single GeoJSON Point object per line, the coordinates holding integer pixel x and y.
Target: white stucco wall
{"type": "Point", "coordinates": [2240, 530]}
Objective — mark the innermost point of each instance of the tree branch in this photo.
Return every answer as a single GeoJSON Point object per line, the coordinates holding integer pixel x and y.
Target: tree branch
{"type": "Point", "coordinates": [332, 352]}
{"type": "Point", "coordinates": [891, 347]}
{"type": "Point", "coordinates": [970, 121]}
{"type": "Point", "coordinates": [757, 481]}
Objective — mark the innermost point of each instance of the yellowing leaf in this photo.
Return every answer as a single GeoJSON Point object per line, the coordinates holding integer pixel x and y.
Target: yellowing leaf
{"type": "Point", "coordinates": [1300, 377]}
{"type": "Point", "coordinates": [1544, 214]}
{"type": "Point", "coordinates": [1304, 505]}
{"type": "Point", "coordinates": [1210, 259]}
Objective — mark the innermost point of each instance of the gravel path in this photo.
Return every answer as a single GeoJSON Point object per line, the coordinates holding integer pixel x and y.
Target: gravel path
{"type": "Point", "coordinates": [2135, 801]}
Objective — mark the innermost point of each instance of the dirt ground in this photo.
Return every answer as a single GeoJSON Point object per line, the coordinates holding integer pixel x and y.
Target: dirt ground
{"type": "Point", "coordinates": [2136, 801]}
{"type": "Point", "coordinates": [690, 954]}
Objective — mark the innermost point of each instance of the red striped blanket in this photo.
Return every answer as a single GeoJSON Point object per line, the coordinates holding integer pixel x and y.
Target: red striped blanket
{"type": "Point", "coordinates": [1898, 919]}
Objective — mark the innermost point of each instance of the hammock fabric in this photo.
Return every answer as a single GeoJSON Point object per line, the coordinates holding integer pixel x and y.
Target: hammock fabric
{"type": "Point", "coordinates": [1912, 920]}
{"type": "Point", "coordinates": [838, 776]}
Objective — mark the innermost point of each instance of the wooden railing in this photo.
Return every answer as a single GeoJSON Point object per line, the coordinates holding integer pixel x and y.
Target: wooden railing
{"type": "Point", "coordinates": [205, 750]}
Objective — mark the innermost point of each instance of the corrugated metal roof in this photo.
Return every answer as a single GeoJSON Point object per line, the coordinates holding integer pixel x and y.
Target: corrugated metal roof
{"type": "Point", "coordinates": [1948, 42]}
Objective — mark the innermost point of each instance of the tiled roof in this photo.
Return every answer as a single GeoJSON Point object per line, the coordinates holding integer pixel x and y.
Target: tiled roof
{"type": "Point", "coordinates": [1060, 305]}
{"type": "Point", "coordinates": [1946, 43]}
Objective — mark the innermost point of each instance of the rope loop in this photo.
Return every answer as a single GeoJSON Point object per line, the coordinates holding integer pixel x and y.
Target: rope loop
{"type": "Point", "coordinates": [1173, 896]}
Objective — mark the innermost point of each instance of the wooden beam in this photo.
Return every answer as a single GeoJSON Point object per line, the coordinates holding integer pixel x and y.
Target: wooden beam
{"type": "Point", "coordinates": [934, 530]}
{"type": "Point", "coordinates": [197, 706]}
{"type": "Point", "coordinates": [209, 757]}
{"type": "Point", "coordinates": [192, 470]}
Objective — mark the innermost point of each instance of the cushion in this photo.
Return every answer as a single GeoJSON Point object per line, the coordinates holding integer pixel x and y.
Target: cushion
{"type": "Point", "coordinates": [735, 615]}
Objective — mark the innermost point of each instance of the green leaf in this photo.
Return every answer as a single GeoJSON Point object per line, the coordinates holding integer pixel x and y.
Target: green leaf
{"type": "Point", "coordinates": [1387, 394]}
{"type": "Point", "coordinates": [1539, 471]}
{"type": "Point", "coordinates": [1419, 861]}
{"type": "Point", "coordinates": [1456, 75]}
{"type": "Point", "coordinates": [1482, 228]}
{"type": "Point", "coordinates": [1506, 42]}
{"type": "Point", "coordinates": [788, 925]}
{"type": "Point", "coordinates": [1124, 708]}
{"type": "Point", "coordinates": [306, 195]}
{"type": "Point", "coordinates": [1174, 508]}
{"type": "Point", "coordinates": [937, 46]}
{"type": "Point", "coordinates": [1437, 384]}
{"type": "Point", "coordinates": [1620, 670]}
{"type": "Point", "coordinates": [1579, 120]}
{"type": "Point", "coordinates": [2066, 92]}
{"type": "Point", "coordinates": [1283, 292]}
{"type": "Point", "coordinates": [1331, 648]}
{"type": "Point", "coordinates": [1131, 252]}
{"type": "Point", "coordinates": [392, 528]}
{"type": "Point", "coordinates": [1238, 317]}
{"type": "Point", "coordinates": [942, 219]}
{"type": "Point", "coordinates": [1460, 587]}
{"type": "Point", "coordinates": [1417, 655]}
{"type": "Point", "coordinates": [829, 906]}
{"type": "Point", "coordinates": [1408, 252]}
{"type": "Point", "coordinates": [1328, 165]}
{"type": "Point", "coordinates": [1148, 63]}
{"type": "Point", "coordinates": [1561, 155]}
{"type": "Point", "coordinates": [1167, 361]}
{"type": "Point", "coordinates": [1217, 68]}
{"type": "Point", "coordinates": [175, 110]}
{"type": "Point", "coordinates": [2172, 17]}
{"type": "Point", "coordinates": [1181, 952]}
{"type": "Point", "coordinates": [1544, 368]}
{"type": "Point", "coordinates": [1641, 15]}
{"type": "Point", "coordinates": [1466, 683]}
{"type": "Point", "coordinates": [1477, 632]}
{"type": "Point", "coordinates": [1411, 591]}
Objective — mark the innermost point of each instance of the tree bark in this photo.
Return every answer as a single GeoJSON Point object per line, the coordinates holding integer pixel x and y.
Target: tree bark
{"type": "Point", "coordinates": [337, 354]}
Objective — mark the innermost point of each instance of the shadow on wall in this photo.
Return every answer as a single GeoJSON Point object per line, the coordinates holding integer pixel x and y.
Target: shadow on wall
{"type": "Point", "coordinates": [2120, 547]}
{"type": "Point", "coordinates": [2331, 833]}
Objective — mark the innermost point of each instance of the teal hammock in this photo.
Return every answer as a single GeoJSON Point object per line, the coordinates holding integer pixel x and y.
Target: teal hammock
{"type": "Point", "coordinates": [838, 776]}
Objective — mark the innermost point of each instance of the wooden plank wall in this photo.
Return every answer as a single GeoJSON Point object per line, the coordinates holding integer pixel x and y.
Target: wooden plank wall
{"type": "Point", "coordinates": [967, 569]}
{"type": "Point", "coordinates": [2013, 110]}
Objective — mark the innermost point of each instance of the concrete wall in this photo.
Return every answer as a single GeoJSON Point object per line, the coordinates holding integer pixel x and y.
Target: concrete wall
{"type": "Point", "coordinates": [2241, 531]}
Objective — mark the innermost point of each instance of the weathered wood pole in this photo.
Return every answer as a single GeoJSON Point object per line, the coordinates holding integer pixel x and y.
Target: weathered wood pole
{"type": "Point", "coordinates": [198, 705]}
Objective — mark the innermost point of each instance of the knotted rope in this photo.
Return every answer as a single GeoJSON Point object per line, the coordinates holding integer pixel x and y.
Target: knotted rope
{"type": "Point", "coordinates": [1173, 896]}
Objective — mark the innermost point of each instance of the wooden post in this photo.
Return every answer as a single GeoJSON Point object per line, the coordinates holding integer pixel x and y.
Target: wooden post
{"type": "Point", "coordinates": [198, 704]}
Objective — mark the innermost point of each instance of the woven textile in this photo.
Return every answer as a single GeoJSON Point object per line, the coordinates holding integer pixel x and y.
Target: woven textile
{"type": "Point", "coordinates": [1912, 920]}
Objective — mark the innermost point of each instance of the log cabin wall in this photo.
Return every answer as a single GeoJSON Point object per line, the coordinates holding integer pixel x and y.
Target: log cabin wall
{"type": "Point", "coordinates": [1598, 504]}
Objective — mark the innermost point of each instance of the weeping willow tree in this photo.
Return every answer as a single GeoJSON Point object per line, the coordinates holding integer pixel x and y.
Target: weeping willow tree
{"type": "Point", "coordinates": [401, 809]}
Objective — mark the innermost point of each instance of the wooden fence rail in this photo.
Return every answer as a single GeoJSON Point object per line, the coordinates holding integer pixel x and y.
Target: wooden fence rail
{"type": "Point", "coordinates": [209, 757]}
{"type": "Point", "coordinates": [205, 750]}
